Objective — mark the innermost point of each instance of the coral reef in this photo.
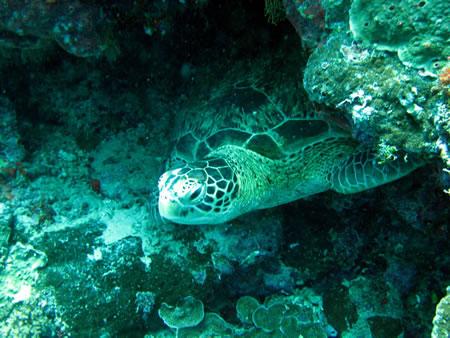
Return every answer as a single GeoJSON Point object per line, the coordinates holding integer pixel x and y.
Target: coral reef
{"type": "Point", "coordinates": [394, 101]}
{"type": "Point", "coordinates": [188, 312]}
{"type": "Point", "coordinates": [308, 19]}
{"type": "Point", "coordinates": [416, 30]}
{"type": "Point", "coordinates": [299, 314]}
{"type": "Point", "coordinates": [389, 105]}
{"type": "Point", "coordinates": [72, 24]}
{"type": "Point", "coordinates": [11, 150]}
{"type": "Point", "coordinates": [441, 321]}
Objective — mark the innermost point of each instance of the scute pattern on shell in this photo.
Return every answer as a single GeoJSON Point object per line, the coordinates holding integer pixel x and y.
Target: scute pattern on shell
{"type": "Point", "coordinates": [253, 113]}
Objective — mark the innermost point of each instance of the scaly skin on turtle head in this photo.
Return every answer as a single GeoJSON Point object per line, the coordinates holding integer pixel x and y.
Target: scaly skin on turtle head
{"type": "Point", "coordinates": [203, 192]}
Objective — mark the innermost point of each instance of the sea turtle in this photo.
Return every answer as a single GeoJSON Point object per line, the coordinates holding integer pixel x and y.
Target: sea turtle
{"type": "Point", "coordinates": [241, 150]}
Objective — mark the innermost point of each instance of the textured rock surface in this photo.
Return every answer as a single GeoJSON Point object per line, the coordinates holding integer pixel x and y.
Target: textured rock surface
{"type": "Point", "coordinates": [417, 30]}
{"type": "Point", "coordinates": [391, 106]}
{"type": "Point", "coordinates": [72, 24]}
{"type": "Point", "coordinates": [441, 321]}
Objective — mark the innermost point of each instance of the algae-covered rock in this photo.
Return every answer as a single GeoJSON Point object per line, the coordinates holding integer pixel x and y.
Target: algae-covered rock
{"type": "Point", "coordinates": [145, 301]}
{"type": "Point", "coordinates": [87, 275]}
{"type": "Point", "coordinates": [380, 71]}
{"type": "Point", "coordinates": [242, 252]}
{"type": "Point", "coordinates": [379, 308]}
{"type": "Point", "coordinates": [340, 310]}
{"type": "Point", "coordinates": [20, 294]}
{"type": "Point", "coordinates": [307, 17]}
{"type": "Point", "coordinates": [441, 320]}
{"type": "Point", "coordinates": [21, 272]}
{"type": "Point", "coordinates": [417, 30]}
{"type": "Point", "coordinates": [5, 229]}
{"type": "Point", "coordinates": [388, 104]}
{"type": "Point", "coordinates": [381, 327]}
{"type": "Point", "coordinates": [72, 24]}
{"type": "Point", "coordinates": [11, 150]}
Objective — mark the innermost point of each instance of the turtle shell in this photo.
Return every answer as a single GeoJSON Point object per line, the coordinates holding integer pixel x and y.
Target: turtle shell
{"type": "Point", "coordinates": [269, 120]}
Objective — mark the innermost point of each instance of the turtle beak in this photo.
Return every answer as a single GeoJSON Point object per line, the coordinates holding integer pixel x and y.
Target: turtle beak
{"type": "Point", "coordinates": [167, 206]}
{"type": "Point", "coordinates": [166, 203]}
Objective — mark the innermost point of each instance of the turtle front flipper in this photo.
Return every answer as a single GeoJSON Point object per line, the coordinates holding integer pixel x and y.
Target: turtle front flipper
{"type": "Point", "coordinates": [364, 170]}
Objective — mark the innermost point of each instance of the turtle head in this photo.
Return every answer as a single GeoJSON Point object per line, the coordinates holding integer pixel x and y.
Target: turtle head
{"type": "Point", "coordinates": [202, 192]}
